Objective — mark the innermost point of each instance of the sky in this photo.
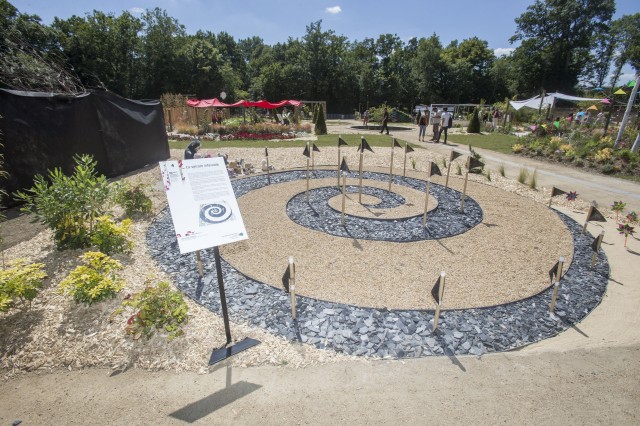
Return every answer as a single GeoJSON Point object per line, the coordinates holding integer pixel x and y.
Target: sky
{"type": "Point", "coordinates": [276, 20]}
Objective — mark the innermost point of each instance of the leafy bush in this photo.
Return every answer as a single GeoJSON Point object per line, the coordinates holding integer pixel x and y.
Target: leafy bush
{"type": "Point", "coordinates": [95, 280]}
{"type": "Point", "coordinates": [110, 237]}
{"type": "Point", "coordinates": [68, 205]}
{"type": "Point", "coordinates": [603, 155]}
{"type": "Point", "coordinates": [156, 308]}
{"type": "Point", "coordinates": [533, 182]}
{"type": "Point", "coordinates": [132, 198]}
{"type": "Point", "coordinates": [20, 283]}
{"type": "Point", "coordinates": [517, 148]}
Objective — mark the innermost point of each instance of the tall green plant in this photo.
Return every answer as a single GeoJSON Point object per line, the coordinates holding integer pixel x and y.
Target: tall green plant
{"type": "Point", "coordinates": [321, 125]}
{"type": "Point", "coordinates": [20, 283]}
{"type": "Point", "coordinates": [474, 123]}
{"type": "Point", "coordinates": [68, 205]}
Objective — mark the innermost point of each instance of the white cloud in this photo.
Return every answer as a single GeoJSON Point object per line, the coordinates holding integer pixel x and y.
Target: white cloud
{"type": "Point", "coordinates": [136, 10]}
{"type": "Point", "coordinates": [503, 51]}
{"type": "Point", "coordinates": [334, 10]}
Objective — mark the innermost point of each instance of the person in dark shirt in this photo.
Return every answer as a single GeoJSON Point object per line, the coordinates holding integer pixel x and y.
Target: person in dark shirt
{"type": "Point", "coordinates": [385, 120]}
{"type": "Point", "coordinates": [192, 150]}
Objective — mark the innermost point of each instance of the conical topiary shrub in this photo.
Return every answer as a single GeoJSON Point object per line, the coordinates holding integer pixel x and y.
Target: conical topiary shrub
{"type": "Point", "coordinates": [474, 123]}
{"type": "Point", "coordinates": [321, 125]}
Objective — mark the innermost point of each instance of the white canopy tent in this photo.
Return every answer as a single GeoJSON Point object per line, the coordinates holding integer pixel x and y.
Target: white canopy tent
{"type": "Point", "coordinates": [548, 101]}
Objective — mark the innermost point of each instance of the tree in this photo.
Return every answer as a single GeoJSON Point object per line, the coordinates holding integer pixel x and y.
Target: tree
{"type": "Point", "coordinates": [474, 123]}
{"type": "Point", "coordinates": [558, 34]}
{"type": "Point", "coordinates": [321, 125]}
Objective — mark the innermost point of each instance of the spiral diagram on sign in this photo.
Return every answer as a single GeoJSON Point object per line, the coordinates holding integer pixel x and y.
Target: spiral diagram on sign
{"type": "Point", "coordinates": [213, 213]}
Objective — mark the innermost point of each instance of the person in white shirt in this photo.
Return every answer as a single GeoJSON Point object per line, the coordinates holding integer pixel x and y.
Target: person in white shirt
{"type": "Point", "coordinates": [444, 125]}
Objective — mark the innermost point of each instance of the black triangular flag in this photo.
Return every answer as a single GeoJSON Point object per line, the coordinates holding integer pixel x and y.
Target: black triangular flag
{"type": "Point", "coordinates": [435, 291]}
{"type": "Point", "coordinates": [285, 279]}
{"type": "Point", "coordinates": [473, 163]}
{"type": "Point", "coordinates": [435, 170]}
{"type": "Point", "coordinates": [341, 142]}
{"type": "Point", "coordinates": [266, 152]}
{"type": "Point", "coordinates": [557, 191]}
{"type": "Point", "coordinates": [344, 167]}
{"type": "Point", "coordinates": [595, 215]}
{"type": "Point", "coordinates": [395, 143]}
{"type": "Point", "coordinates": [594, 244]}
{"type": "Point", "coordinates": [454, 155]}
{"type": "Point", "coordinates": [306, 152]}
{"type": "Point", "coordinates": [364, 145]}
{"type": "Point", "coordinates": [553, 271]}
{"type": "Point", "coordinates": [408, 149]}
{"type": "Point", "coordinates": [315, 148]}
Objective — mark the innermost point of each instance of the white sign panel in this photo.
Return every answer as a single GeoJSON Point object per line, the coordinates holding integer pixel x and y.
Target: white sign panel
{"type": "Point", "coordinates": [203, 206]}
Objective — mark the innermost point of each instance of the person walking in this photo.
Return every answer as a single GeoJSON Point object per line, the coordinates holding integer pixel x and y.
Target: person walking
{"type": "Point", "coordinates": [435, 122]}
{"type": "Point", "coordinates": [365, 118]}
{"type": "Point", "coordinates": [496, 118]}
{"type": "Point", "coordinates": [445, 122]}
{"type": "Point", "coordinates": [422, 123]}
{"type": "Point", "coordinates": [385, 120]}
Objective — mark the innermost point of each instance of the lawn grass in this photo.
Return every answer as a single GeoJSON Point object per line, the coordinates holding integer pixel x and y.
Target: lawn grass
{"type": "Point", "coordinates": [498, 142]}
{"type": "Point", "coordinates": [323, 141]}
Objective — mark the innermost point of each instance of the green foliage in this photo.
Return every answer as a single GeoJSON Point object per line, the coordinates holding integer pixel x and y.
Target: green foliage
{"type": "Point", "coordinates": [157, 308]}
{"type": "Point", "coordinates": [413, 163]}
{"type": "Point", "coordinates": [474, 123]}
{"type": "Point", "coordinates": [458, 169]}
{"type": "Point", "coordinates": [314, 119]}
{"type": "Point", "coordinates": [523, 175]}
{"type": "Point", "coordinates": [488, 175]}
{"type": "Point", "coordinates": [444, 162]}
{"type": "Point", "coordinates": [110, 237]}
{"type": "Point", "coordinates": [502, 170]}
{"type": "Point", "coordinates": [20, 283]}
{"type": "Point", "coordinates": [93, 281]}
{"type": "Point", "coordinates": [321, 124]}
{"type": "Point", "coordinates": [68, 205]}
{"type": "Point", "coordinates": [132, 198]}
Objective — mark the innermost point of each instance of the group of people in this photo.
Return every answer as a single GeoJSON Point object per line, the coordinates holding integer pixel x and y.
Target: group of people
{"type": "Point", "coordinates": [440, 123]}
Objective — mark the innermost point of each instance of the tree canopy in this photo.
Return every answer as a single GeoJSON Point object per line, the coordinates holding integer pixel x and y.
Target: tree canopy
{"type": "Point", "coordinates": [561, 44]}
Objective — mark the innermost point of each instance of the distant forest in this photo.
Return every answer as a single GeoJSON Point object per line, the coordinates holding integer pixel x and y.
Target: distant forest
{"type": "Point", "coordinates": [564, 45]}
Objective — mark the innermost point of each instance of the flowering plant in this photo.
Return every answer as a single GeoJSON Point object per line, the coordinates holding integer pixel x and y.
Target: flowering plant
{"type": "Point", "coordinates": [617, 207]}
{"type": "Point", "coordinates": [626, 230]}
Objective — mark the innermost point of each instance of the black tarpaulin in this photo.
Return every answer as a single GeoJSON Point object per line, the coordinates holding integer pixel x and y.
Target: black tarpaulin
{"type": "Point", "coordinates": [41, 131]}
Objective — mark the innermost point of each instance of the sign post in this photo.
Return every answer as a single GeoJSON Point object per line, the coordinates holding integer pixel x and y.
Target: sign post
{"type": "Point", "coordinates": [344, 169]}
{"type": "Point", "coordinates": [292, 286]}
{"type": "Point", "coordinates": [595, 246]}
{"type": "Point", "coordinates": [266, 154]}
{"type": "Point", "coordinates": [394, 143]}
{"type": "Point", "coordinates": [340, 143]}
{"type": "Point", "coordinates": [360, 169]}
{"type": "Point", "coordinates": [452, 157]}
{"type": "Point", "coordinates": [464, 187]}
{"type": "Point", "coordinates": [307, 154]}
{"type": "Point", "coordinates": [555, 272]}
{"type": "Point", "coordinates": [407, 149]}
{"type": "Point", "coordinates": [205, 214]}
{"type": "Point", "coordinates": [437, 292]}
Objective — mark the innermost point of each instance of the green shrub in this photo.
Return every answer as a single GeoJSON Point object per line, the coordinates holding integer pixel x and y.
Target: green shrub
{"type": "Point", "coordinates": [110, 237]}
{"type": "Point", "coordinates": [474, 123]}
{"type": "Point", "coordinates": [321, 124]}
{"type": "Point", "coordinates": [458, 169]}
{"type": "Point", "coordinates": [68, 205]}
{"type": "Point", "coordinates": [132, 198]}
{"type": "Point", "coordinates": [156, 308]}
{"type": "Point", "coordinates": [95, 280]}
{"type": "Point", "coordinates": [20, 283]}
{"type": "Point", "coordinates": [608, 169]}
{"type": "Point", "coordinates": [488, 174]}
{"type": "Point", "coordinates": [502, 170]}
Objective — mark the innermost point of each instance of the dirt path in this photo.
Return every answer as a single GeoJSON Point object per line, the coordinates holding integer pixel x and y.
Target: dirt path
{"type": "Point", "coordinates": [589, 374]}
